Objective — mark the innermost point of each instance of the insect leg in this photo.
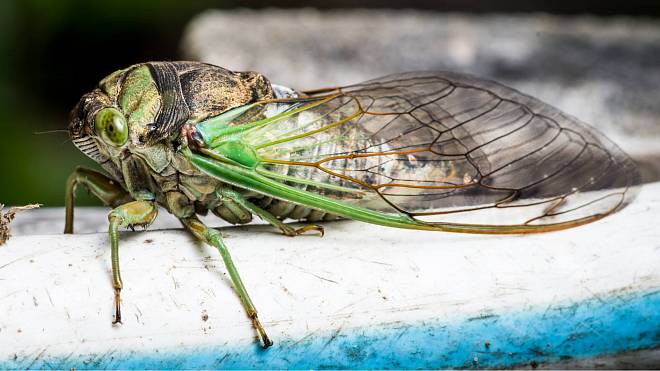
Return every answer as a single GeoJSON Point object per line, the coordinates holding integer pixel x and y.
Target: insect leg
{"type": "Point", "coordinates": [135, 213]}
{"type": "Point", "coordinates": [233, 212]}
{"type": "Point", "coordinates": [106, 189]}
{"type": "Point", "coordinates": [214, 238]}
{"type": "Point", "coordinates": [270, 218]}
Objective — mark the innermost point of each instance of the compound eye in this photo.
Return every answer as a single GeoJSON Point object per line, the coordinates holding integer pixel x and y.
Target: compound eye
{"type": "Point", "coordinates": [111, 126]}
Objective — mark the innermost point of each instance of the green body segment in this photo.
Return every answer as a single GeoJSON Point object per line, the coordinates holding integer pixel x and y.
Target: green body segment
{"type": "Point", "coordinates": [139, 99]}
{"type": "Point", "coordinates": [219, 128]}
{"type": "Point", "coordinates": [239, 152]}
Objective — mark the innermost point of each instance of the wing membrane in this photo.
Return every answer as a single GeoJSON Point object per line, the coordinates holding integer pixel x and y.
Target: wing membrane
{"type": "Point", "coordinates": [441, 147]}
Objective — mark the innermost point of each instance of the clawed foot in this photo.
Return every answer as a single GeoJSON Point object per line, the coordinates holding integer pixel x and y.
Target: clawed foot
{"type": "Point", "coordinates": [117, 308]}
{"type": "Point", "coordinates": [265, 340]}
{"type": "Point", "coordinates": [292, 232]}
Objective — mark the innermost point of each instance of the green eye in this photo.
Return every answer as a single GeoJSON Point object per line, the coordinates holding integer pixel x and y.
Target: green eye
{"type": "Point", "coordinates": [111, 126]}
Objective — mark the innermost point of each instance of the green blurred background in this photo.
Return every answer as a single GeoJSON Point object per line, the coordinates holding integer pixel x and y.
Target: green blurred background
{"type": "Point", "coordinates": [54, 51]}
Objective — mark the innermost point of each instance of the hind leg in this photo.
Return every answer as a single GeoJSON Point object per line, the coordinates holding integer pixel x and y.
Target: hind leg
{"type": "Point", "coordinates": [214, 238]}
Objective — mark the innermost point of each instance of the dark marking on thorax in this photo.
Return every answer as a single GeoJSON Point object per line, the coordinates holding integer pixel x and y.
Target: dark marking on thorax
{"type": "Point", "coordinates": [174, 111]}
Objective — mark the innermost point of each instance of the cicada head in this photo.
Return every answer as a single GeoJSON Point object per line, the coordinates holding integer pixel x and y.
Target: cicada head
{"type": "Point", "coordinates": [148, 104]}
{"type": "Point", "coordinates": [81, 124]}
{"type": "Point", "coordinates": [117, 116]}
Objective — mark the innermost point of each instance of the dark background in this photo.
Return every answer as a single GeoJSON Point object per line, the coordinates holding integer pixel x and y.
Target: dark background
{"type": "Point", "coordinates": [54, 51]}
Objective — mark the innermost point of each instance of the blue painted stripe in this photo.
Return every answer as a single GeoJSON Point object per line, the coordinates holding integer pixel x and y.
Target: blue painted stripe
{"type": "Point", "coordinates": [579, 330]}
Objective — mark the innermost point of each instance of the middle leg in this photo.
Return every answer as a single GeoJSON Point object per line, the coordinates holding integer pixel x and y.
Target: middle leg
{"type": "Point", "coordinates": [268, 217]}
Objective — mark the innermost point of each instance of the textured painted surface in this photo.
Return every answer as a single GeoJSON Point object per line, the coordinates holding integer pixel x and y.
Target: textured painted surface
{"type": "Point", "coordinates": [535, 335]}
{"type": "Point", "coordinates": [362, 296]}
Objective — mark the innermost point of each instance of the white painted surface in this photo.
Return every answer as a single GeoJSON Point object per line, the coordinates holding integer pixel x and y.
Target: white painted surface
{"type": "Point", "coordinates": [56, 294]}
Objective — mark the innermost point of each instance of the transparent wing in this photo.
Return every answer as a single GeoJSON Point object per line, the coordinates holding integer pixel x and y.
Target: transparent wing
{"type": "Point", "coordinates": [441, 147]}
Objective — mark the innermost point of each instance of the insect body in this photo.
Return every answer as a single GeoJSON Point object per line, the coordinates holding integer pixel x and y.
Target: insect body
{"type": "Point", "coordinates": [427, 150]}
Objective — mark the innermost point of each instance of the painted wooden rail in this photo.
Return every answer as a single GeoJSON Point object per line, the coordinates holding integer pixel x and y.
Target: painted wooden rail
{"type": "Point", "coordinates": [361, 297]}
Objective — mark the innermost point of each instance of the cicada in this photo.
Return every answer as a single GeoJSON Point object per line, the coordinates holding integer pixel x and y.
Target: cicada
{"type": "Point", "coordinates": [435, 151]}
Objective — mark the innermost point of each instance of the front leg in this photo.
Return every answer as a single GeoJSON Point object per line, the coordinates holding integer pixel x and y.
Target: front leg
{"type": "Point", "coordinates": [136, 213]}
{"type": "Point", "coordinates": [106, 189]}
{"type": "Point", "coordinates": [214, 238]}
